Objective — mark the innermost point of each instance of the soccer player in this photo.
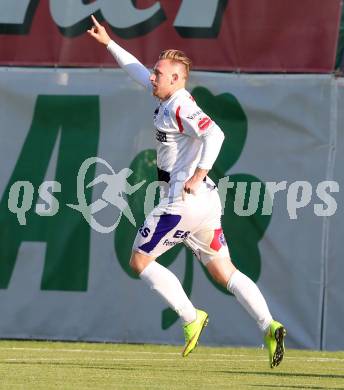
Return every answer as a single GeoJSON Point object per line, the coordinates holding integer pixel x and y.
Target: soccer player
{"type": "Point", "coordinates": [188, 143]}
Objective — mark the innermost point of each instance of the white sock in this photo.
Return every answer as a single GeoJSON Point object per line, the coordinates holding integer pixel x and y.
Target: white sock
{"type": "Point", "coordinates": [167, 285]}
{"type": "Point", "coordinates": [250, 297]}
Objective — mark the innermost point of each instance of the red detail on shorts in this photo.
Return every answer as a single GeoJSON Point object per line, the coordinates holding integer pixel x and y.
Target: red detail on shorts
{"type": "Point", "coordinates": [216, 243]}
{"type": "Point", "coordinates": [179, 120]}
{"type": "Point", "coordinates": [204, 123]}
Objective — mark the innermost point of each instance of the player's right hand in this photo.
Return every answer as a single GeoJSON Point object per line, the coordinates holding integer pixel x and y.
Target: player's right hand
{"type": "Point", "coordinates": [98, 32]}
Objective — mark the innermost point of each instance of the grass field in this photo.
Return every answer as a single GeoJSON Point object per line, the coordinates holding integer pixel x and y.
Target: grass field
{"type": "Point", "coordinates": [56, 365]}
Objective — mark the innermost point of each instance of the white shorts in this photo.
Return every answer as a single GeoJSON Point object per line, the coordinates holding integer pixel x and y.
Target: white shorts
{"type": "Point", "coordinates": [195, 221]}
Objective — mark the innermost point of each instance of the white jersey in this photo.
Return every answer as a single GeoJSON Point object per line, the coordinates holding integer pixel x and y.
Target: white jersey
{"type": "Point", "coordinates": [180, 125]}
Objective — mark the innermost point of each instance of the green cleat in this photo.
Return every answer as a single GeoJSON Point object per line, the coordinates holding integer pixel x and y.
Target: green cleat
{"type": "Point", "coordinates": [274, 342]}
{"type": "Point", "coordinates": [193, 330]}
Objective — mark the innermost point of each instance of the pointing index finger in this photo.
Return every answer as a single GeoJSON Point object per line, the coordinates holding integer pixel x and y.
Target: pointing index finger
{"type": "Point", "coordinates": [95, 21]}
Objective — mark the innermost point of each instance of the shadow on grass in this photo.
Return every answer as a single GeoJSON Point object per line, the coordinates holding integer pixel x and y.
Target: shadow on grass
{"type": "Point", "coordinates": [284, 374]}
{"type": "Point", "coordinates": [294, 387]}
{"type": "Point", "coordinates": [288, 375]}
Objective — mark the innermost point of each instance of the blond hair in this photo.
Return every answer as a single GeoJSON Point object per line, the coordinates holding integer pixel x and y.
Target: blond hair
{"type": "Point", "coordinates": [177, 56]}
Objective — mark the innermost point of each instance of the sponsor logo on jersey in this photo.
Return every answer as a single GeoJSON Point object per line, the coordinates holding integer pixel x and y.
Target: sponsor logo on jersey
{"type": "Point", "coordinates": [193, 116]}
{"type": "Point", "coordinates": [166, 112]}
{"type": "Point", "coordinates": [222, 239]}
{"type": "Point", "coordinates": [218, 240]}
{"type": "Point", "coordinates": [181, 234]}
{"type": "Point", "coordinates": [204, 123]}
{"type": "Point", "coordinates": [161, 136]}
{"type": "Point", "coordinates": [170, 243]}
{"type": "Point", "coordinates": [144, 231]}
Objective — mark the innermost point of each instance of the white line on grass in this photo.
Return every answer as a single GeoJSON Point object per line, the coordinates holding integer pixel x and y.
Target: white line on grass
{"type": "Point", "coordinates": [227, 356]}
{"type": "Point", "coordinates": [107, 351]}
{"type": "Point", "coordinates": [29, 359]}
{"type": "Point", "coordinates": [86, 350]}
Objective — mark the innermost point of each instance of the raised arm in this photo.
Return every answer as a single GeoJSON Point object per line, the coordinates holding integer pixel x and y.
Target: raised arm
{"type": "Point", "coordinates": [125, 60]}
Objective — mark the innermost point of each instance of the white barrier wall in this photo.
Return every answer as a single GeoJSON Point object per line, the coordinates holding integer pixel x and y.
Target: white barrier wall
{"type": "Point", "coordinates": [62, 277]}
